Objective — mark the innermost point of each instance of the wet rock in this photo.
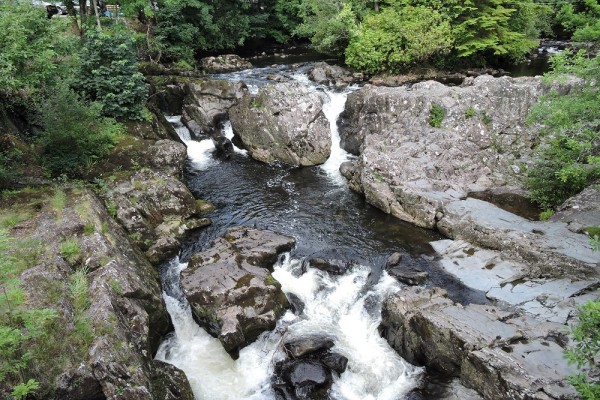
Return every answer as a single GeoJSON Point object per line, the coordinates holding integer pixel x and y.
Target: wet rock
{"type": "Point", "coordinates": [408, 275]}
{"type": "Point", "coordinates": [500, 354]}
{"type": "Point", "coordinates": [296, 304]}
{"type": "Point", "coordinates": [223, 146]}
{"type": "Point", "coordinates": [393, 260]}
{"type": "Point", "coordinates": [505, 280]}
{"type": "Point", "coordinates": [302, 379]}
{"type": "Point", "coordinates": [325, 74]}
{"type": "Point", "coordinates": [298, 347]}
{"type": "Point", "coordinates": [283, 122]}
{"type": "Point", "coordinates": [335, 362]}
{"type": "Point", "coordinates": [169, 99]}
{"type": "Point", "coordinates": [206, 104]}
{"type": "Point", "coordinates": [223, 63]}
{"type": "Point", "coordinates": [230, 288]}
{"type": "Point", "coordinates": [336, 267]}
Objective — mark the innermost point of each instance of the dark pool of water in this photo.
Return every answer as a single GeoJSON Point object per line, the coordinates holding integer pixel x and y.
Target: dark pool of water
{"type": "Point", "coordinates": [321, 214]}
{"type": "Point", "coordinates": [511, 202]}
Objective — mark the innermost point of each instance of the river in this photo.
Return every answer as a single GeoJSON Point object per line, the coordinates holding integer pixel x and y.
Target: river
{"type": "Point", "coordinates": [316, 206]}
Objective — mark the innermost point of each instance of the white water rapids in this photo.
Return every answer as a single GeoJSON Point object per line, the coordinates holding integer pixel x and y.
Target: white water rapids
{"type": "Point", "coordinates": [340, 307]}
{"type": "Point", "coordinates": [345, 308]}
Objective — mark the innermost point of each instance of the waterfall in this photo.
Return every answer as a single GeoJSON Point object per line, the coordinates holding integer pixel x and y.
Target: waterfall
{"type": "Point", "coordinates": [332, 108]}
{"type": "Point", "coordinates": [199, 152]}
{"type": "Point", "coordinates": [341, 307]}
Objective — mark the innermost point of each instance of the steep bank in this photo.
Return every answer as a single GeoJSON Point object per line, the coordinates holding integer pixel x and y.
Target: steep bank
{"type": "Point", "coordinates": [84, 273]}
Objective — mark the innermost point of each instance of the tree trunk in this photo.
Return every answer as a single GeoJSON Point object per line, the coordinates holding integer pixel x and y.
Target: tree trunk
{"type": "Point", "coordinates": [95, 6]}
{"type": "Point", "coordinates": [376, 6]}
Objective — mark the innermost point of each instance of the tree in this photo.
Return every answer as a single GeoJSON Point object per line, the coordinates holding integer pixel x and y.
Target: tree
{"type": "Point", "coordinates": [582, 23]}
{"type": "Point", "coordinates": [398, 37]}
{"type": "Point", "coordinates": [568, 159]}
{"type": "Point", "coordinates": [108, 74]}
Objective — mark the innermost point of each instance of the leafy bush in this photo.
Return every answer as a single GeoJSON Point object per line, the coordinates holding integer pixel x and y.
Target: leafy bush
{"type": "Point", "coordinates": [583, 24]}
{"type": "Point", "coordinates": [109, 75]}
{"type": "Point", "coordinates": [75, 133]}
{"type": "Point", "coordinates": [396, 38]}
{"type": "Point", "coordinates": [34, 49]}
{"type": "Point", "coordinates": [586, 348]}
{"type": "Point", "coordinates": [569, 155]}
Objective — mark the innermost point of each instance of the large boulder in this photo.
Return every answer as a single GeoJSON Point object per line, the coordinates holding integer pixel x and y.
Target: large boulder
{"type": "Point", "coordinates": [582, 211]}
{"type": "Point", "coordinates": [230, 288]}
{"type": "Point", "coordinates": [500, 354]}
{"type": "Point", "coordinates": [325, 74]}
{"type": "Point", "coordinates": [206, 103]}
{"type": "Point", "coordinates": [155, 209]}
{"type": "Point", "coordinates": [224, 63]}
{"type": "Point", "coordinates": [283, 122]}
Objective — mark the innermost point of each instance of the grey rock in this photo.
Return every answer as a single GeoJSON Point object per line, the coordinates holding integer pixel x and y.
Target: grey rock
{"type": "Point", "coordinates": [206, 104]}
{"type": "Point", "coordinates": [167, 156]}
{"type": "Point", "coordinates": [335, 362]}
{"type": "Point", "coordinates": [336, 267]}
{"type": "Point", "coordinates": [500, 354]}
{"type": "Point", "coordinates": [408, 275]}
{"type": "Point", "coordinates": [283, 122]}
{"type": "Point", "coordinates": [298, 347]}
{"type": "Point", "coordinates": [580, 211]}
{"type": "Point", "coordinates": [230, 288]}
{"type": "Point", "coordinates": [223, 63]}
{"type": "Point", "coordinates": [325, 74]}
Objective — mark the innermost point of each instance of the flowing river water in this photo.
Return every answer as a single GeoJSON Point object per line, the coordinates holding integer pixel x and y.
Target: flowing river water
{"type": "Point", "coordinates": [316, 206]}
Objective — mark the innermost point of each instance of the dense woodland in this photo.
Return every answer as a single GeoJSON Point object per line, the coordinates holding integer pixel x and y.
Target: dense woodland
{"type": "Point", "coordinates": [74, 80]}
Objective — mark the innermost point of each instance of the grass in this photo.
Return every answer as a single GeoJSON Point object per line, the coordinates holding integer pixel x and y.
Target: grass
{"type": "Point", "coordinates": [12, 219]}
{"type": "Point", "coordinates": [470, 112]}
{"type": "Point", "coordinates": [70, 250]}
{"type": "Point", "coordinates": [58, 201]}
{"type": "Point", "coordinates": [546, 215]}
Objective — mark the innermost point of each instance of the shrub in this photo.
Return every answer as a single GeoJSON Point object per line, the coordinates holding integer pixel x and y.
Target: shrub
{"type": "Point", "coordinates": [436, 115]}
{"type": "Point", "coordinates": [396, 38]}
{"type": "Point", "coordinates": [568, 158]}
{"type": "Point", "coordinates": [586, 348]}
{"type": "Point", "coordinates": [75, 133]}
{"type": "Point", "coordinates": [109, 75]}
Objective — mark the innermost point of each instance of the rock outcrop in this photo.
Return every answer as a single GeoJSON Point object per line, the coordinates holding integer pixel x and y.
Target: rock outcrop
{"type": "Point", "coordinates": [105, 337]}
{"type": "Point", "coordinates": [223, 63]}
{"type": "Point", "coordinates": [325, 74]}
{"type": "Point", "coordinates": [502, 355]}
{"type": "Point", "coordinates": [206, 103]}
{"type": "Point", "coordinates": [283, 122]}
{"type": "Point", "coordinates": [230, 288]}
{"type": "Point", "coordinates": [423, 174]}
{"type": "Point", "coordinates": [156, 210]}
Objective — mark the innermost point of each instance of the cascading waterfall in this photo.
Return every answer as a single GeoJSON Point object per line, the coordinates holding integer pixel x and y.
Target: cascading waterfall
{"type": "Point", "coordinates": [344, 307]}
{"type": "Point", "coordinates": [332, 108]}
{"type": "Point", "coordinates": [341, 307]}
{"type": "Point", "coordinates": [199, 152]}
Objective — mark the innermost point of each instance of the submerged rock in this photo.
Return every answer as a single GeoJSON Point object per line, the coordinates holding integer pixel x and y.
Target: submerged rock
{"type": "Point", "coordinates": [230, 288]}
{"type": "Point", "coordinates": [283, 122]}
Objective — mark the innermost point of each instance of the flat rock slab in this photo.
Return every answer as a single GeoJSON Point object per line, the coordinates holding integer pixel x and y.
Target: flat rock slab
{"type": "Point", "coordinates": [230, 288]}
{"type": "Point", "coordinates": [500, 354]}
{"type": "Point", "coordinates": [505, 280]}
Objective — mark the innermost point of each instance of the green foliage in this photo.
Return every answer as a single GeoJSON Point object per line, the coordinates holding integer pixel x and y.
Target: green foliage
{"type": "Point", "coordinates": [546, 215]}
{"type": "Point", "coordinates": [20, 328]}
{"type": "Point", "coordinates": [75, 133]}
{"type": "Point", "coordinates": [583, 24]}
{"type": "Point", "coordinates": [328, 24]}
{"type": "Point", "coordinates": [9, 159]}
{"type": "Point", "coordinates": [470, 112]}
{"type": "Point", "coordinates": [569, 156]}
{"type": "Point", "coordinates": [396, 38]}
{"type": "Point", "coordinates": [70, 250]}
{"type": "Point", "coordinates": [34, 51]}
{"type": "Point", "coordinates": [109, 75]}
{"type": "Point", "coordinates": [586, 348]}
{"type": "Point", "coordinates": [10, 219]}
{"type": "Point", "coordinates": [436, 115]}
